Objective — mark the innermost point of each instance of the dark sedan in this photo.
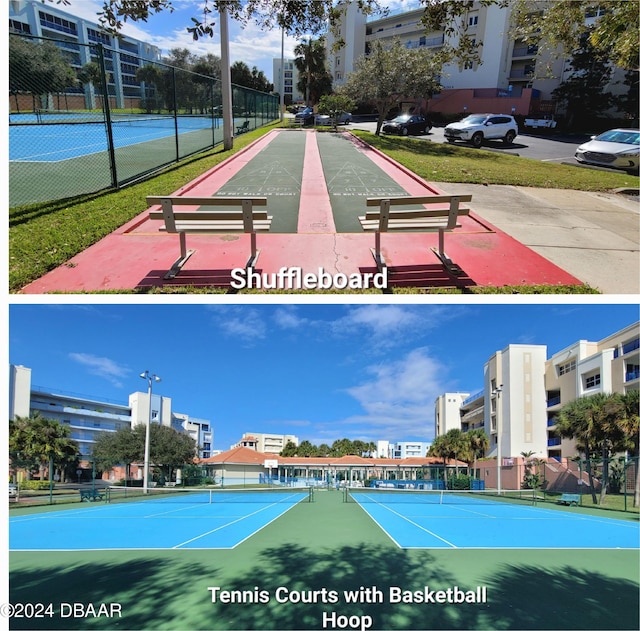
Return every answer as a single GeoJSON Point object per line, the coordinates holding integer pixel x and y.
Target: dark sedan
{"type": "Point", "coordinates": [407, 125]}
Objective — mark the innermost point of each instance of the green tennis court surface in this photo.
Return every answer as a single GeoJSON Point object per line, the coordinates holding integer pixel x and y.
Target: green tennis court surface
{"type": "Point", "coordinates": [290, 573]}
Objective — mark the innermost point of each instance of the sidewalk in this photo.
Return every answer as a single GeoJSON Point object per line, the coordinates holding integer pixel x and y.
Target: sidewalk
{"type": "Point", "coordinates": [593, 236]}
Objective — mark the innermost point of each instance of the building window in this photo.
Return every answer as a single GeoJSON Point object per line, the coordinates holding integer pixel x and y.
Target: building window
{"type": "Point", "coordinates": [473, 20]}
{"type": "Point", "coordinates": [565, 368]}
{"type": "Point", "coordinates": [592, 381]}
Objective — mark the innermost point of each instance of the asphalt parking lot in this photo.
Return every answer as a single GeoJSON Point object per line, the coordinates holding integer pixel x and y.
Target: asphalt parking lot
{"type": "Point", "coordinates": [547, 148]}
{"type": "Point", "coordinates": [594, 236]}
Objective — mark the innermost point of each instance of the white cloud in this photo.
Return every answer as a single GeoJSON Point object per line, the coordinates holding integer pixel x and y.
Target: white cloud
{"type": "Point", "coordinates": [244, 323]}
{"type": "Point", "coordinates": [398, 399]}
{"type": "Point", "coordinates": [286, 317]}
{"type": "Point", "coordinates": [102, 367]}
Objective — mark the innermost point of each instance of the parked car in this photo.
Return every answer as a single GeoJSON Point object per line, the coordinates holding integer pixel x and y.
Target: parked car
{"type": "Point", "coordinates": [407, 124]}
{"type": "Point", "coordinates": [325, 119]}
{"type": "Point", "coordinates": [616, 148]}
{"type": "Point", "coordinates": [305, 116]}
{"type": "Point", "coordinates": [476, 128]}
{"type": "Point", "coordinates": [13, 491]}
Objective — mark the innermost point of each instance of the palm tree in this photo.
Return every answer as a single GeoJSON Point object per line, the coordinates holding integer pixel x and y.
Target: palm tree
{"type": "Point", "coordinates": [42, 442]}
{"type": "Point", "coordinates": [478, 445]}
{"type": "Point", "coordinates": [594, 422]}
{"type": "Point", "coordinates": [311, 64]}
{"type": "Point", "coordinates": [630, 426]}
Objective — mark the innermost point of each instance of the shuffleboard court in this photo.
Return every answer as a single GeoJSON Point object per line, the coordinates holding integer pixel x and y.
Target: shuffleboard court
{"type": "Point", "coordinates": [452, 521]}
{"type": "Point", "coordinates": [197, 522]}
{"type": "Point", "coordinates": [274, 173]}
{"type": "Point", "coordinates": [352, 177]}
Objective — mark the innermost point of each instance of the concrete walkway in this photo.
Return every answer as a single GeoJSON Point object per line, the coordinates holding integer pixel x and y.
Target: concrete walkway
{"type": "Point", "coordinates": [593, 236]}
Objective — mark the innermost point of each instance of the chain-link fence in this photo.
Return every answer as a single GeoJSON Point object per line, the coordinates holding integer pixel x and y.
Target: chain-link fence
{"type": "Point", "coordinates": [83, 117]}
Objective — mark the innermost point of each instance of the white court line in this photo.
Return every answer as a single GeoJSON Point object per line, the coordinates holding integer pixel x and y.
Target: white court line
{"type": "Point", "coordinates": [413, 523]}
{"type": "Point", "coordinates": [235, 521]}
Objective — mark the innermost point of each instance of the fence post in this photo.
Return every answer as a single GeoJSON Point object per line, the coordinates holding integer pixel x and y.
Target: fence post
{"type": "Point", "coordinates": [107, 116]}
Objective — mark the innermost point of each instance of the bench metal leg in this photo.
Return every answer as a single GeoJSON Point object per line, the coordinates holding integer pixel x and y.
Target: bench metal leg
{"type": "Point", "coordinates": [378, 257]}
{"type": "Point", "coordinates": [449, 265]}
{"type": "Point", "coordinates": [184, 257]}
{"type": "Point", "coordinates": [255, 253]}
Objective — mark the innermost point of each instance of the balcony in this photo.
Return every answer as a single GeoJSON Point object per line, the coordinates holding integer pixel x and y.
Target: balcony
{"type": "Point", "coordinates": [631, 375]}
{"type": "Point", "coordinates": [553, 401]}
{"type": "Point", "coordinates": [553, 442]}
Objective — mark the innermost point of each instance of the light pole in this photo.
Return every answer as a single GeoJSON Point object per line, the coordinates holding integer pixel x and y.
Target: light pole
{"type": "Point", "coordinates": [496, 393]}
{"type": "Point", "coordinates": [149, 379]}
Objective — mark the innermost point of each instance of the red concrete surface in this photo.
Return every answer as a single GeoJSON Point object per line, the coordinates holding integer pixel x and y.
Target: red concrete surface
{"type": "Point", "coordinates": [137, 255]}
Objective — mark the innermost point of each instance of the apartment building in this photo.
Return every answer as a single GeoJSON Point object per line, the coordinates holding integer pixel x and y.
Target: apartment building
{"type": "Point", "coordinates": [88, 417]}
{"type": "Point", "coordinates": [447, 411]}
{"type": "Point", "coordinates": [585, 368]}
{"type": "Point", "coordinates": [287, 80]}
{"type": "Point", "coordinates": [524, 391]}
{"type": "Point", "coordinates": [266, 443]}
{"type": "Point", "coordinates": [508, 78]}
{"type": "Point", "coordinates": [77, 37]}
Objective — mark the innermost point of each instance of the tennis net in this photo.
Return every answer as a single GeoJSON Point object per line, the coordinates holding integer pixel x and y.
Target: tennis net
{"type": "Point", "coordinates": [162, 121]}
{"type": "Point", "coordinates": [363, 495]}
{"type": "Point", "coordinates": [270, 495]}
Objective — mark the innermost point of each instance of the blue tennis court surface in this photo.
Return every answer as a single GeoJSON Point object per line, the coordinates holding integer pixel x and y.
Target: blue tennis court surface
{"type": "Point", "coordinates": [482, 523]}
{"type": "Point", "coordinates": [60, 141]}
{"type": "Point", "coordinates": [152, 524]}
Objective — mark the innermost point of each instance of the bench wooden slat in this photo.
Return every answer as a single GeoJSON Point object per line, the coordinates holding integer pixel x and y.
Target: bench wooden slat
{"type": "Point", "coordinates": [408, 224]}
{"type": "Point", "coordinates": [411, 214]}
{"type": "Point", "coordinates": [430, 199]}
{"type": "Point", "coordinates": [217, 226]}
{"type": "Point", "coordinates": [209, 215]}
{"type": "Point", "coordinates": [185, 200]}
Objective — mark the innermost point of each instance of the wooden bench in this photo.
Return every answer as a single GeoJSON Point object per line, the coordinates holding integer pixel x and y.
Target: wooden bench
{"type": "Point", "coordinates": [421, 220]}
{"type": "Point", "coordinates": [245, 220]}
{"type": "Point", "coordinates": [569, 499]}
{"type": "Point", "coordinates": [240, 129]}
{"type": "Point", "coordinates": [93, 495]}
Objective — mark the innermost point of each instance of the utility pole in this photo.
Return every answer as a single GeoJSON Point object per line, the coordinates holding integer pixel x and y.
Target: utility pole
{"type": "Point", "coordinates": [227, 101]}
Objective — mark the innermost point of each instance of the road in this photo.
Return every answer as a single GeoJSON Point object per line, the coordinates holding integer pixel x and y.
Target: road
{"type": "Point", "coordinates": [554, 148]}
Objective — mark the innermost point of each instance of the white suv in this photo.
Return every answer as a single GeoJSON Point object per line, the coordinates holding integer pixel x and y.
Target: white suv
{"type": "Point", "coordinates": [476, 128]}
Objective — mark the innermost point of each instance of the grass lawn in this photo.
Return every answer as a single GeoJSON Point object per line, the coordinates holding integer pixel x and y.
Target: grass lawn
{"type": "Point", "coordinates": [44, 236]}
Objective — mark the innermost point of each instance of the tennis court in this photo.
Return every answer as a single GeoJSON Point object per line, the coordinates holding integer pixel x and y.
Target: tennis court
{"type": "Point", "coordinates": [478, 519]}
{"type": "Point", "coordinates": [329, 545]}
{"type": "Point", "coordinates": [157, 521]}
{"type": "Point", "coordinates": [69, 136]}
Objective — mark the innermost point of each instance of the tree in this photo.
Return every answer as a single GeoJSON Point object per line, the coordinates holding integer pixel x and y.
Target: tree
{"type": "Point", "coordinates": [478, 444]}
{"type": "Point", "coordinates": [555, 25]}
{"type": "Point", "coordinates": [594, 422]}
{"type": "Point", "coordinates": [388, 75]}
{"type": "Point", "coordinates": [630, 426]}
{"type": "Point", "coordinates": [168, 449]}
{"type": "Point", "coordinates": [310, 61]}
{"type": "Point", "coordinates": [35, 441]}
{"type": "Point", "coordinates": [297, 17]}
{"type": "Point", "coordinates": [38, 68]}
{"type": "Point", "coordinates": [290, 449]}
{"type": "Point", "coordinates": [583, 93]}
{"type": "Point", "coordinates": [335, 105]}
{"type": "Point", "coordinates": [249, 78]}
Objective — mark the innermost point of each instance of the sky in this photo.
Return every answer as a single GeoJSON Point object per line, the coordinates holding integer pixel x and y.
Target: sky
{"type": "Point", "coordinates": [169, 30]}
{"type": "Point", "coordinates": [318, 371]}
